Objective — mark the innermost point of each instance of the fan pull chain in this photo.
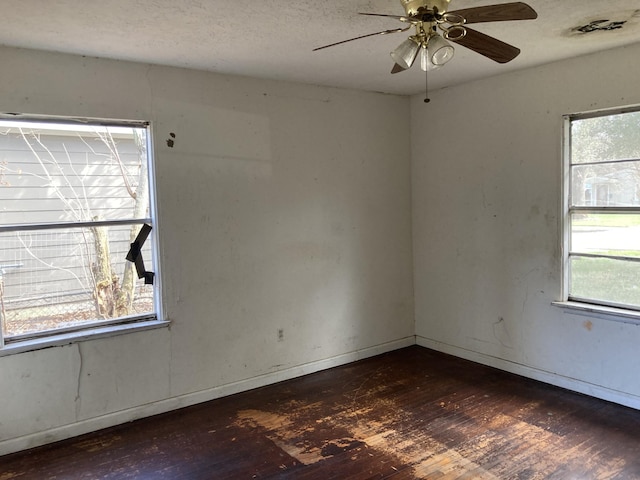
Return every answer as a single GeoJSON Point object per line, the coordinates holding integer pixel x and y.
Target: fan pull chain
{"type": "Point", "coordinates": [426, 86]}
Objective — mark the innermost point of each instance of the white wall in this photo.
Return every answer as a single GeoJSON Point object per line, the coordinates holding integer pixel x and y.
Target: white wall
{"type": "Point", "coordinates": [487, 165]}
{"type": "Point", "coordinates": [282, 206]}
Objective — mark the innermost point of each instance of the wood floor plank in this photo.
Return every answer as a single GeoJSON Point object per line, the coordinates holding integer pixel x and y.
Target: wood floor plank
{"type": "Point", "coordinates": [410, 414]}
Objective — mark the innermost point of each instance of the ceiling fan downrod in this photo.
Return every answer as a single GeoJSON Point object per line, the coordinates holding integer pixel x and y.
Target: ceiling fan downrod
{"type": "Point", "coordinates": [415, 8]}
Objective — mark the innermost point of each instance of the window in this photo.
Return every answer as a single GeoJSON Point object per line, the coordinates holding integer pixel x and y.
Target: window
{"type": "Point", "coordinates": [74, 195]}
{"type": "Point", "coordinates": [602, 230]}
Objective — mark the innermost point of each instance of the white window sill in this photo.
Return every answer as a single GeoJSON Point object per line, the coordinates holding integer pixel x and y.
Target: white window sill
{"type": "Point", "coordinates": [79, 336]}
{"type": "Point", "coordinates": [606, 313]}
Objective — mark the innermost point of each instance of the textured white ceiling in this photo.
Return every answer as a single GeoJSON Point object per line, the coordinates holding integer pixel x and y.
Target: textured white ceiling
{"type": "Point", "coordinates": [274, 38]}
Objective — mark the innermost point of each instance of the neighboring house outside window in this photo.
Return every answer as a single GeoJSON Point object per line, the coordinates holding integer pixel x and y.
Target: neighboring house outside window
{"type": "Point", "coordinates": [602, 209]}
{"type": "Point", "coordinates": [74, 195]}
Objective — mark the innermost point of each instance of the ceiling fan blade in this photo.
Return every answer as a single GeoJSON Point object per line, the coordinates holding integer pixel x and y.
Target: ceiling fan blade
{"type": "Point", "coordinates": [498, 13]}
{"type": "Point", "coordinates": [397, 69]}
{"type": "Point", "coordinates": [397, 17]}
{"type": "Point", "coordinates": [384, 32]}
{"type": "Point", "coordinates": [490, 47]}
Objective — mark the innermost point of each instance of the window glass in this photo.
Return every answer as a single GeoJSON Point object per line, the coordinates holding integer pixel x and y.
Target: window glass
{"type": "Point", "coordinates": [606, 281]}
{"type": "Point", "coordinates": [74, 197]}
{"type": "Point", "coordinates": [605, 185]}
{"type": "Point", "coordinates": [603, 208]}
{"type": "Point", "coordinates": [606, 137]}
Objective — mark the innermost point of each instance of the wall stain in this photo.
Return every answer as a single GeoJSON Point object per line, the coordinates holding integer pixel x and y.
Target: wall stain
{"type": "Point", "coordinates": [501, 333]}
{"type": "Point", "coordinates": [171, 140]}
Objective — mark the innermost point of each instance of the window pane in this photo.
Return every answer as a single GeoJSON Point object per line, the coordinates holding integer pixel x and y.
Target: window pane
{"type": "Point", "coordinates": [605, 280]}
{"type": "Point", "coordinates": [607, 185]}
{"type": "Point", "coordinates": [606, 234]}
{"type": "Point", "coordinates": [53, 173]}
{"type": "Point", "coordinates": [611, 137]}
{"type": "Point", "coordinates": [68, 277]}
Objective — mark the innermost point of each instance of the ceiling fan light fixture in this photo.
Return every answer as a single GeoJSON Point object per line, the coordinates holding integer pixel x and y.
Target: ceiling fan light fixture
{"type": "Point", "coordinates": [425, 61]}
{"type": "Point", "coordinates": [440, 51]}
{"type": "Point", "coordinates": [406, 53]}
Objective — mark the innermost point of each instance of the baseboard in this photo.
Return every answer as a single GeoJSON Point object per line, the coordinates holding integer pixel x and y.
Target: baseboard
{"type": "Point", "coordinates": [174, 403]}
{"type": "Point", "coordinates": [551, 378]}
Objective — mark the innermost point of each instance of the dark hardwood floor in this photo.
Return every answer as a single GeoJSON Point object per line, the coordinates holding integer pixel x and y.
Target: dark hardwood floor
{"type": "Point", "coordinates": [409, 414]}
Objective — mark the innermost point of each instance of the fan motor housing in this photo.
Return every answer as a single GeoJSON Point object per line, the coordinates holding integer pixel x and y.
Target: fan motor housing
{"type": "Point", "coordinates": [417, 7]}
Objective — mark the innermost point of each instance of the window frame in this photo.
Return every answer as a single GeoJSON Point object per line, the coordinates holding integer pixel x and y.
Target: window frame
{"type": "Point", "coordinates": [99, 328]}
{"type": "Point", "coordinates": [600, 309]}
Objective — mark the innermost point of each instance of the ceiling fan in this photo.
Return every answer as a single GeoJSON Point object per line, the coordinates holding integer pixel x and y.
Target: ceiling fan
{"type": "Point", "coordinates": [429, 16]}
